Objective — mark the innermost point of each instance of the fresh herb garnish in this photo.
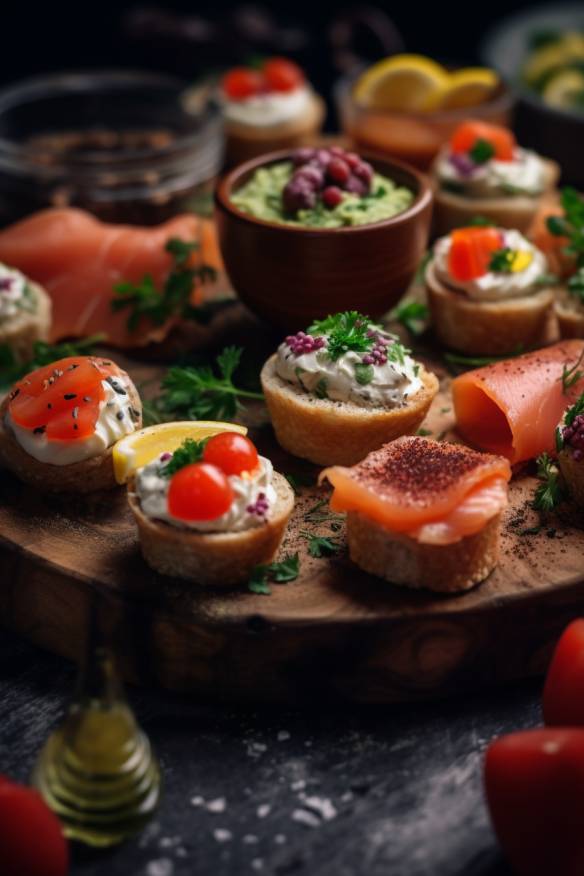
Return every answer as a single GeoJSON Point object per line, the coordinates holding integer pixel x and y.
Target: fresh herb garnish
{"type": "Point", "coordinates": [345, 332]}
{"type": "Point", "coordinates": [502, 260]}
{"type": "Point", "coordinates": [480, 222]}
{"type": "Point", "coordinates": [145, 301]}
{"type": "Point", "coordinates": [189, 451]}
{"type": "Point", "coordinates": [460, 361]}
{"type": "Point", "coordinates": [412, 315]}
{"type": "Point", "coordinates": [574, 411]}
{"type": "Point", "coordinates": [549, 493]}
{"type": "Point", "coordinates": [282, 572]}
{"type": "Point", "coordinates": [43, 354]}
{"type": "Point", "coordinates": [576, 284]}
{"type": "Point", "coordinates": [198, 393]}
{"type": "Point", "coordinates": [316, 514]}
{"type": "Point", "coordinates": [482, 151]}
{"type": "Point", "coordinates": [571, 226]}
{"type": "Point", "coordinates": [320, 390]}
{"type": "Point", "coordinates": [572, 375]}
{"type": "Point", "coordinates": [423, 433]}
{"type": "Point", "coordinates": [320, 545]}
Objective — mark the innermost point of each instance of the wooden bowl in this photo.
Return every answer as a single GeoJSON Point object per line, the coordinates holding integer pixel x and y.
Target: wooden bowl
{"type": "Point", "coordinates": [290, 276]}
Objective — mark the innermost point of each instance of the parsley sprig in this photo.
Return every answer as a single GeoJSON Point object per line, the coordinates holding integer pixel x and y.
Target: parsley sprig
{"type": "Point", "coordinates": [282, 572]}
{"type": "Point", "coordinates": [43, 354]}
{"type": "Point", "coordinates": [550, 492]}
{"type": "Point", "coordinates": [571, 226]}
{"type": "Point", "coordinates": [320, 545]}
{"type": "Point", "coordinates": [413, 315]}
{"type": "Point", "coordinates": [572, 375]}
{"type": "Point", "coordinates": [145, 301]}
{"type": "Point", "coordinates": [200, 393]}
{"type": "Point", "coordinates": [345, 332]}
{"type": "Point", "coordinates": [502, 260]}
{"type": "Point", "coordinates": [482, 151]}
{"type": "Point", "coordinates": [189, 451]}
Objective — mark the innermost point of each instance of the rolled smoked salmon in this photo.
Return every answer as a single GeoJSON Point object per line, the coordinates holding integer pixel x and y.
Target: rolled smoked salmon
{"type": "Point", "coordinates": [79, 260]}
{"type": "Point", "coordinates": [513, 407]}
{"type": "Point", "coordinates": [434, 492]}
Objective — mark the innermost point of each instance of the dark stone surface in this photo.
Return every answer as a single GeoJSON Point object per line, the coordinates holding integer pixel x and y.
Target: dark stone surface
{"type": "Point", "coordinates": [394, 791]}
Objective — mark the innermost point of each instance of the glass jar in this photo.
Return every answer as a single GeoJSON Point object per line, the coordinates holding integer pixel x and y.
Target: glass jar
{"type": "Point", "coordinates": [121, 144]}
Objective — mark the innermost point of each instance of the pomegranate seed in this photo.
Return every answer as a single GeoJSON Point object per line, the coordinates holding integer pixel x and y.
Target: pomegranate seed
{"type": "Point", "coordinates": [338, 170]}
{"type": "Point", "coordinates": [332, 197]}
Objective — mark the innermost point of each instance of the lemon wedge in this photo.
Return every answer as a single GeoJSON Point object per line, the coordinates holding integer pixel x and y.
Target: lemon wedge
{"type": "Point", "coordinates": [141, 447]}
{"type": "Point", "coordinates": [469, 87]}
{"type": "Point", "coordinates": [564, 89]}
{"type": "Point", "coordinates": [522, 259]}
{"type": "Point", "coordinates": [402, 82]}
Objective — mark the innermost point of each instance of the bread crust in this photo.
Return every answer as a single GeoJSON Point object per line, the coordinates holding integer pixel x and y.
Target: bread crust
{"type": "Point", "coordinates": [87, 476]}
{"type": "Point", "coordinates": [248, 141]}
{"type": "Point", "coordinates": [570, 315]}
{"type": "Point", "coordinates": [402, 560]}
{"type": "Point", "coordinates": [488, 328]}
{"type": "Point", "coordinates": [338, 433]}
{"type": "Point", "coordinates": [21, 331]}
{"type": "Point", "coordinates": [218, 559]}
{"type": "Point", "coordinates": [452, 210]}
{"type": "Point", "coordinates": [573, 475]}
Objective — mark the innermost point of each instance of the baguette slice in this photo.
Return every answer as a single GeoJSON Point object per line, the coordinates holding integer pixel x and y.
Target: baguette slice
{"type": "Point", "coordinates": [452, 210]}
{"type": "Point", "coordinates": [218, 559]}
{"type": "Point", "coordinates": [338, 433]}
{"type": "Point", "coordinates": [488, 328]}
{"type": "Point", "coordinates": [573, 475]}
{"type": "Point", "coordinates": [398, 558]}
{"type": "Point", "coordinates": [570, 314]}
{"type": "Point", "coordinates": [87, 476]}
{"type": "Point", "coordinates": [20, 332]}
{"type": "Point", "coordinates": [244, 142]}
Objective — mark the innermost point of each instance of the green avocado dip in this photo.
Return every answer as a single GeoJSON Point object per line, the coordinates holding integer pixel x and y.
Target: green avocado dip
{"type": "Point", "coordinates": [261, 197]}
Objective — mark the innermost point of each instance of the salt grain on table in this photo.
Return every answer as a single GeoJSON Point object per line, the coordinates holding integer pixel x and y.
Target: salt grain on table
{"type": "Point", "coordinates": [222, 835]}
{"type": "Point", "coordinates": [216, 806]}
{"type": "Point", "coordinates": [264, 810]}
{"type": "Point", "coordinates": [162, 867]}
{"type": "Point", "coordinates": [303, 816]}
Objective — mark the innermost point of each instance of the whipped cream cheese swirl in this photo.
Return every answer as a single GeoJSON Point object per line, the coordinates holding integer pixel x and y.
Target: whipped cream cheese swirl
{"type": "Point", "coordinates": [253, 498]}
{"type": "Point", "coordinates": [524, 175]}
{"type": "Point", "coordinates": [13, 292]}
{"type": "Point", "coordinates": [264, 110]}
{"type": "Point", "coordinates": [385, 376]}
{"type": "Point", "coordinates": [495, 285]}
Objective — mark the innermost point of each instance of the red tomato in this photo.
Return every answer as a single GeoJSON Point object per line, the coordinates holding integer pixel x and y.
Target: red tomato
{"type": "Point", "coordinates": [282, 75]}
{"type": "Point", "coordinates": [501, 139]}
{"type": "Point", "coordinates": [242, 82]}
{"type": "Point", "coordinates": [31, 838]}
{"type": "Point", "coordinates": [563, 695]}
{"type": "Point", "coordinates": [535, 787]}
{"type": "Point", "coordinates": [471, 251]}
{"type": "Point", "coordinates": [199, 492]}
{"type": "Point", "coordinates": [231, 452]}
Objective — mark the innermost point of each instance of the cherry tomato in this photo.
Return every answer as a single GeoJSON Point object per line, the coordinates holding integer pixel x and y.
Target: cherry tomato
{"type": "Point", "coordinates": [199, 492]}
{"type": "Point", "coordinates": [535, 787]}
{"type": "Point", "coordinates": [31, 838]}
{"type": "Point", "coordinates": [242, 82]}
{"type": "Point", "coordinates": [282, 75]}
{"type": "Point", "coordinates": [501, 139]}
{"type": "Point", "coordinates": [231, 452]}
{"type": "Point", "coordinates": [563, 695]}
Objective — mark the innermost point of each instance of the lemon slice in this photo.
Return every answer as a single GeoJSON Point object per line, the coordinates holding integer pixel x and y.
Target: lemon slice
{"type": "Point", "coordinates": [402, 82]}
{"type": "Point", "coordinates": [469, 87]}
{"type": "Point", "coordinates": [541, 63]}
{"type": "Point", "coordinates": [141, 447]}
{"type": "Point", "coordinates": [522, 259]}
{"type": "Point", "coordinates": [564, 89]}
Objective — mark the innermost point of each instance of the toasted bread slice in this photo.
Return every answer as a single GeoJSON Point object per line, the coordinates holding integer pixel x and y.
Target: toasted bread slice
{"type": "Point", "coordinates": [570, 314]}
{"type": "Point", "coordinates": [216, 559]}
{"type": "Point", "coordinates": [244, 142]}
{"type": "Point", "coordinates": [20, 332]}
{"type": "Point", "coordinates": [402, 560]}
{"type": "Point", "coordinates": [452, 210]}
{"type": "Point", "coordinates": [338, 433]}
{"type": "Point", "coordinates": [573, 475]}
{"type": "Point", "coordinates": [87, 476]}
{"type": "Point", "coordinates": [488, 328]}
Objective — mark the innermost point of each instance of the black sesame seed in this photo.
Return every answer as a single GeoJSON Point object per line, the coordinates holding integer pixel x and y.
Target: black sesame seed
{"type": "Point", "coordinates": [39, 430]}
{"type": "Point", "coordinates": [120, 415]}
{"type": "Point", "coordinates": [50, 407]}
{"type": "Point", "coordinates": [69, 395]}
{"type": "Point", "coordinates": [14, 393]}
{"type": "Point", "coordinates": [75, 426]}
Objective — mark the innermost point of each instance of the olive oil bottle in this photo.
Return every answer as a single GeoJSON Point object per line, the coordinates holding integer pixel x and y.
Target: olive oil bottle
{"type": "Point", "coordinates": [97, 771]}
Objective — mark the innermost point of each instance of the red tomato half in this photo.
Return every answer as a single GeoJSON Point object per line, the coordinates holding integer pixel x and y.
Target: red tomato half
{"type": "Point", "coordinates": [231, 452]}
{"type": "Point", "coordinates": [199, 492]}
{"type": "Point", "coordinates": [535, 791]}
{"type": "Point", "coordinates": [563, 695]}
{"type": "Point", "coordinates": [242, 82]}
{"type": "Point", "coordinates": [31, 838]}
{"type": "Point", "coordinates": [282, 75]}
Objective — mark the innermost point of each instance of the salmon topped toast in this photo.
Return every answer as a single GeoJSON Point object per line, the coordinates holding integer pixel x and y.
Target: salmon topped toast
{"type": "Point", "coordinates": [343, 388]}
{"type": "Point", "coordinates": [58, 424]}
{"type": "Point", "coordinates": [512, 407]}
{"type": "Point", "coordinates": [423, 513]}
{"type": "Point", "coordinates": [570, 448]}
{"type": "Point", "coordinates": [25, 314]}
{"type": "Point", "coordinates": [79, 260]}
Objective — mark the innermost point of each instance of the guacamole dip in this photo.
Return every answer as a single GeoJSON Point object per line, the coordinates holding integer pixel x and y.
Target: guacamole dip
{"type": "Point", "coordinates": [261, 197]}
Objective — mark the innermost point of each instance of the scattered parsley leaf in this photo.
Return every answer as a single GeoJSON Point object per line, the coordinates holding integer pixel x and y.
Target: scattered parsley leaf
{"type": "Point", "coordinates": [572, 375]}
{"type": "Point", "coordinates": [549, 493]}
{"type": "Point", "coordinates": [423, 433]}
{"type": "Point", "coordinates": [576, 284]}
{"type": "Point", "coordinates": [502, 260]}
{"type": "Point", "coordinates": [321, 513]}
{"type": "Point", "coordinates": [296, 481]}
{"type": "Point", "coordinates": [43, 354]}
{"type": "Point", "coordinates": [412, 315]}
{"type": "Point", "coordinates": [482, 151]}
{"type": "Point", "coordinates": [320, 546]}
{"type": "Point", "coordinates": [571, 224]}
{"type": "Point", "coordinates": [481, 222]}
{"type": "Point", "coordinates": [462, 362]}
{"type": "Point", "coordinates": [574, 411]}
{"type": "Point", "coordinates": [281, 572]}
{"type": "Point", "coordinates": [531, 530]}
{"type": "Point", "coordinates": [424, 262]}
{"type": "Point", "coordinates": [189, 451]}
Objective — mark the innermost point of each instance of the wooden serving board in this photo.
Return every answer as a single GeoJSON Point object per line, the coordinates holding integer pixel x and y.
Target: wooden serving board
{"type": "Point", "coordinates": [335, 633]}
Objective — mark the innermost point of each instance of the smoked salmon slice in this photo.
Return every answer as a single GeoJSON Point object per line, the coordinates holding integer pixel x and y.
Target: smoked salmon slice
{"type": "Point", "coordinates": [63, 399]}
{"type": "Point", "coordinates": [433, 491]}
{"type": "Point", "coordinates": [79, 259]}
{"type": "Point", "coordinates": [469, 133]}
{"type": "Point", "coordinates": [512, 407]}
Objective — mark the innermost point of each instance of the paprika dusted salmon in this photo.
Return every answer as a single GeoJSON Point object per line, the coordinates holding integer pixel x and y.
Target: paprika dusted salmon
{"type": "Point", "coordinates": [79, 260]}
{"type": "Point", "coordinates": [512, 407]}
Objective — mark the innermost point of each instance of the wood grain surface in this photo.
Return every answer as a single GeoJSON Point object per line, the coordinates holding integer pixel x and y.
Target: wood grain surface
{"type": "Point", "coordinates": [334, 633]}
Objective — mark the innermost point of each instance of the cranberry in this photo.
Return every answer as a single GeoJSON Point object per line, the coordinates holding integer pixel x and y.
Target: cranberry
{"type": "Point", "coordinates": [332, 197]}
{"type": "Point", "coordinates": [303, 156]}
{"type": "Point", "coordinates": [298, 195]}
{"type": "Point", "coordinates": [356, 186]}
{"type": "Point", "coordinates": [314, 175]}
{"type": "Point", "coordinates": [352, 159]}
{"type": "Point", "coordinates": [338, 170]}
{"type": "Point", "coordinates": [364, 171]}
{"type": "Point", "coordinates": [337, 151]}
{"type": "Point", "coordinates": [323, 157]}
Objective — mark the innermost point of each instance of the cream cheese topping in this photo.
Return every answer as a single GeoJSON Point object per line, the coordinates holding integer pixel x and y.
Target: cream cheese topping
{"type": "Point", "coordinates": [525, 175]}
{"type": "Point", "coordinates": [13, 287]}
{"type": "Point", "coordinates": [264, 110]}
{"type": "Point", "coordinates": [391, 384]}
{"type": "Point", "coordinates": [115, 420]}
{"type": "Point", "coordinates": [495, 285]}
{"type": "Point", "coordinates": [152, 490]}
